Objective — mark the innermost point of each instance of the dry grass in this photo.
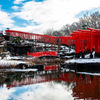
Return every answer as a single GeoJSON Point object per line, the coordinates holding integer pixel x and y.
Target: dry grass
{"type": "Point", "coordinates": [47, 61]}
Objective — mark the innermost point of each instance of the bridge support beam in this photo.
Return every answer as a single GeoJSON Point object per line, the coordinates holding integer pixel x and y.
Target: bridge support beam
{"type": "Point", "coordinates": [91, 55]}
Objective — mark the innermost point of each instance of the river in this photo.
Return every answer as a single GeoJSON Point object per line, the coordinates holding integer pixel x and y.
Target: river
{"type": "Point", "coordinates": [58, 84]}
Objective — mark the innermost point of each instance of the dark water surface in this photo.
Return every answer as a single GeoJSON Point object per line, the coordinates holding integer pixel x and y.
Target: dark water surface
{"type": "Point", "coordinates": [50, 85]}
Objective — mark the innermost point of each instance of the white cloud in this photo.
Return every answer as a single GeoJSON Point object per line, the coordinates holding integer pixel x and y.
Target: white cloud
{"type": "Point", "coordinates": [53, 13]}
{"type": "Point", "coordinates": [47, 91]}
{"type": "Point", "coordinates": [5, 93]}
{"type": "Point", "coordinates": [18, 1]}
{"type": "Point", "coordinates": [14, 7]}
{"type": "Point", "coordinates": [5, 20]}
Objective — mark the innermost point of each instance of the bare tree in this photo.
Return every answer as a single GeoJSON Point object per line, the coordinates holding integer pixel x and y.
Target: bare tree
{"type": "Point", "coordinates": [65, 30]}
{"type": "Point", "coordinates": [88, 20]}
{"type": "Point", "coordinates": [49, 32]}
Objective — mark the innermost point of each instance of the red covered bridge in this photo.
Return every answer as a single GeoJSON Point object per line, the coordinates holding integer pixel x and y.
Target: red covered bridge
{"type": "Point", "coordinates": [83, 40]}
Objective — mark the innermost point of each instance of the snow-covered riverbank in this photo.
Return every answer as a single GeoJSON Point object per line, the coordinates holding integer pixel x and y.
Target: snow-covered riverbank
{"type": "Point", "coordinates": [10, 62]}
{"type": "Point", "coordinates": [72, 61]}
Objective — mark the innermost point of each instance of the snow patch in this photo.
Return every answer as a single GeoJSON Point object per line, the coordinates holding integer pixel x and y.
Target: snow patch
{"type": "Point", "coordinates": [94, 60]}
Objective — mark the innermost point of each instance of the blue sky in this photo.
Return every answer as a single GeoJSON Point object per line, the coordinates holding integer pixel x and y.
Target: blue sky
{"type": "Point", "coordinates": [37, 16]}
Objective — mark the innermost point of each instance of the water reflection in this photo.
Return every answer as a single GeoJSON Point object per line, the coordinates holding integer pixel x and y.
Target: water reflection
{"type": "Point", "coordinates": [49, 85]}
{"type": "Point", "coordinates": [87, 87]}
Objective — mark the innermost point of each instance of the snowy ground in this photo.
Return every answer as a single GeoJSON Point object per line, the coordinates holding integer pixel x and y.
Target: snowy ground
{"type": "Point", "coordinates": [87, 59]}
{"type": "Point", "coordinates": [66, 50]}
{"type": "Point", "coordinates": [66, 53]}
{"type": "Point", "coordinates": [94, 60]}
{"type": "Point", "coordinates": [18, 70]}
{"type": "Point", "coordinates": [10, 62]}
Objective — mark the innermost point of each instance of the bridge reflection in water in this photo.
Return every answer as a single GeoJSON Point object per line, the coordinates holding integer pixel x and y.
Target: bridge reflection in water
{"type": "Point", "coordinates": [85, 86]}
